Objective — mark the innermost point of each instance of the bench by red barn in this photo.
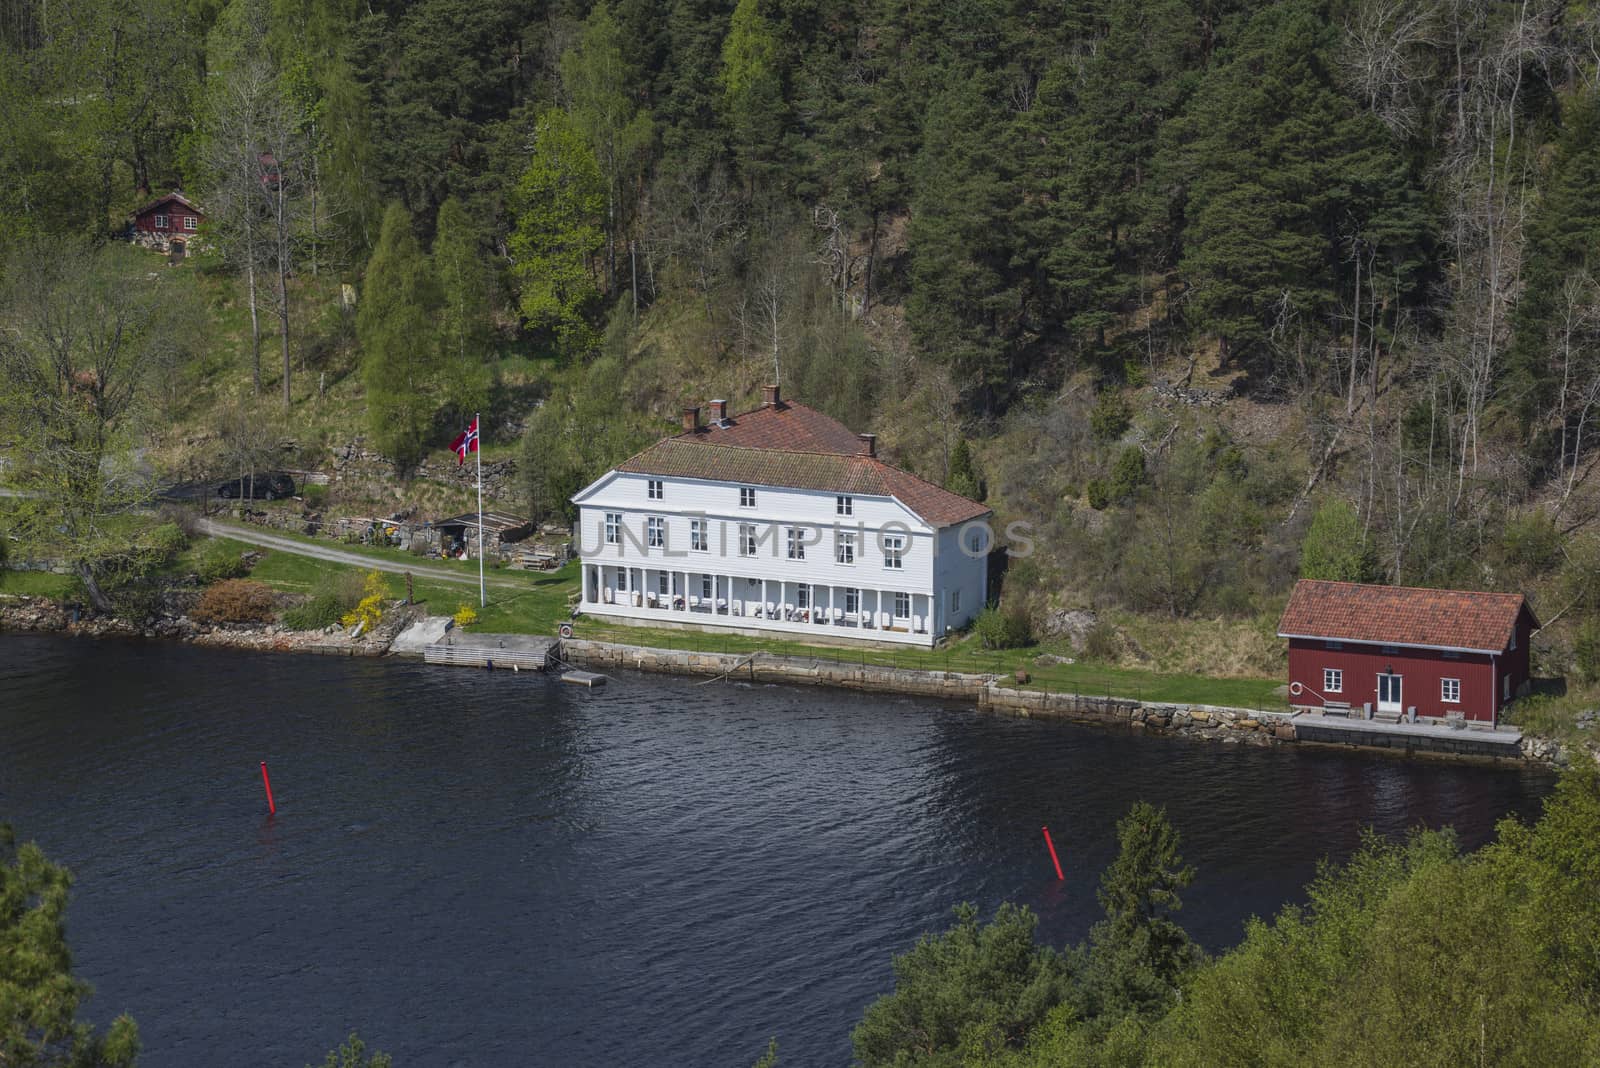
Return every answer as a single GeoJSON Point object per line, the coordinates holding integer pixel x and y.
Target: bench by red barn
{"type": "Point", "coordinates": [1398, 649]}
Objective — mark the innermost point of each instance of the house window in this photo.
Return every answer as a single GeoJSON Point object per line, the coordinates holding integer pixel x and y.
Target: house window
{"type": "Point", "coordinates": [797, 544]}
{"type": "Point", "coordinates": [661, 582]}
{"type": "Point", "coordinates": [622, 580]}
{"type": "Point", "coordinates": [1450, 691]}
{"type": "Point", "coordinates": [191, 223]}
{"type": "Point", "coordinates": [844, 548]}
{"type": "Point", "coordinates": [697, 535]}
{"type": "Point", "coordinates": [802, 595]}
{"type": "Point", "coordinates": [613, 528]}
{"type": "Point", "coordinates": [705, 587]}
{"type": "Point", "coordinates": [747, 539]}
{"type": "Point", "coordinates": [1451, 654]}
{"type": "Point", "coordinates": [852, 601]}
{"type": "Point", "coordinates": [955, 600]}
{"type": "Point", "coordinates": [1513, 646]}
{"type": "Point", "coordinates": [977, 541]}
{"type": "Point", "coordinates": [656, 532]}
{"type": "Point", "coordinates": [655, 489]}
{"type": "Point", "coordinates": [902, 606]}
{"type": "Point", "coordinates": [161, 222]}
{"type": "Point", "coordinates": [844, 505]}
{"type": "Point", "coordinates": [747, 497]}
{"type": "Point", "coordinates": [1332, 680]}
{"type": "Point", "coordinates": [1333, 645]}
{"type": "Point", "coordinates": [894, 551]}
{"type": "Point", "coordinates": [1390, 650]}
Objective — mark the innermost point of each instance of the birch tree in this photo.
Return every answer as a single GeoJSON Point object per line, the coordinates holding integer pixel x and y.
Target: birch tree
{"type": "Point", "coordinates": [78, 332]}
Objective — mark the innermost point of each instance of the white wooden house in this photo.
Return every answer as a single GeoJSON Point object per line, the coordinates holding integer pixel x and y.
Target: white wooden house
{"type": "Point", "coordinates": [780, 520]}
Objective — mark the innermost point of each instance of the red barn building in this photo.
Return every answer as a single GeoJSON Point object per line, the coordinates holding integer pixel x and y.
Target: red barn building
{"type": "Point", "coordinates": [1406, 653]}
{"type": "Point", "coordinates": [169, 224]}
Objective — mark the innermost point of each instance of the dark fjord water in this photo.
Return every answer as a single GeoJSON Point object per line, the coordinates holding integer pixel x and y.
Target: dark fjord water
{"type": "Point", "coordinates": [494, 869]}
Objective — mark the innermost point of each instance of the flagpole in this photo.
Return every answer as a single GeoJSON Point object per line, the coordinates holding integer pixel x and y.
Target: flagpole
{"type": "Point", "coordinates": [477, 447]}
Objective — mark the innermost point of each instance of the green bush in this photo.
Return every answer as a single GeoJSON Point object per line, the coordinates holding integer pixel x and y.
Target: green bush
{"type": "Point", "coordinates": [1099, 492]}
{"type": "Point", "coordinates": [166, 542]}
{"type": "Point", "coordinates": [336, 595]}
{"type": "Point", "coordinates": [314, 496]}
{"type": "Point", "coordinates": [1127, 474]}
{"type": "Point", "coordinates": [218, 561]}
{"type": "Point", "coordinates": [1586, 651]}
{"type": "Point", "coordinates": [1002, 630]}
{"type": "Point", "coordinates": [1110, 418]}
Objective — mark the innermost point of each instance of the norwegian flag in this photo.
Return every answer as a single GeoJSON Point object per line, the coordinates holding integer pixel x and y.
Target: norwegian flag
{"type": "Point", "coordinates": [466, 441]}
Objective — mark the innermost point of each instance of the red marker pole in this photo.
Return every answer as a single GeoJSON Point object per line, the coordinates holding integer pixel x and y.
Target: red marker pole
{"type": "Point", "coordinates": [273, 809]}
{"type": "Point", "coordinates": [1047, 842]}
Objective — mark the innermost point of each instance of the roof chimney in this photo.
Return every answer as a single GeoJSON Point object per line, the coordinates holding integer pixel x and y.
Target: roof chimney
{"type": "Point", "coordinates": [769, 396]}
{"type": "Point", "coordinates": [869, 443]}
{"type": "Point", "coordinates": [691, 420]}
{"type": "Point", "coordinates": [719, 410]}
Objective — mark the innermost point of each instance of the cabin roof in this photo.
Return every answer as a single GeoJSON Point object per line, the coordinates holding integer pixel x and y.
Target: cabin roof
{"type": "Point", "coordinates": [161, 201]}
{"type": "Point", "coordinates": [1468, 620]}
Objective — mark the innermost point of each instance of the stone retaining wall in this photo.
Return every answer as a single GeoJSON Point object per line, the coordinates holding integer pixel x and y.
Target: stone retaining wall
{"type": "Point", "coordinates": [1230, 725]}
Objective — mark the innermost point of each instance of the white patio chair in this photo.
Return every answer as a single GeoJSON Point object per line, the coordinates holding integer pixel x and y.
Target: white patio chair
{"type": "Point", "coordinates": [606, 595]}
{"type": "Point", "coordinates": [694, 601]}
{"type": "Point", "coordinates": [722, 604]}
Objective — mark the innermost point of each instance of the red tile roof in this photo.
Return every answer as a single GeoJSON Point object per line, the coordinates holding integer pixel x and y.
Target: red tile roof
{"type": "Point", "coordinates": [792, 445]}
{"type": "Point", "coordinates": [1398, 615]}
{"type": "Point", "coordinates": [786, 425]}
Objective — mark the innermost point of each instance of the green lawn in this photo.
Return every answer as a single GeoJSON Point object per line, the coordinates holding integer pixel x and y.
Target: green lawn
{"type": "Point", "coordinates": [540, 607]}
{"type": "Point", "coordinates": [36, 583]}
{"type": "Point", "coordinates": [468, 568]}
{"type": "Point", "coordinates": [535, 610]}
{"type": "Point", "coordinates": [964, 655]}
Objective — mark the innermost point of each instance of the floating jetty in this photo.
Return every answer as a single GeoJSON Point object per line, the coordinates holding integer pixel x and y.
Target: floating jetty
{"type": "Point", "coordinates": [583, 678]}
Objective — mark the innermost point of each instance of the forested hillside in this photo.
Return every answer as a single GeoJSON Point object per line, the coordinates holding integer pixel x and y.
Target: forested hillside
{"type": "Point", "coordinates": [1185, 284]}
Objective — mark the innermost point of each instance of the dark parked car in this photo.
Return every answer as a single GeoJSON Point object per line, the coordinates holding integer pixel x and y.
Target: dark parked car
{"type": "Point", "coordinates": [267, 487]}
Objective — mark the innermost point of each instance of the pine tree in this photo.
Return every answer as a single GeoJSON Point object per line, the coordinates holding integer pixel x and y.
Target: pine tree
{"type": "Point", "coordinates": [558, 202]}
{"type": "Point", "coordinates": [966, 298]}
{"type": "Point", "coordinates": [395, 322]}
{"type": "Point", "coordinates": [1282, 171]}
{"type": "Point", "coordinates": [963, 472]}
{"type": "Point", "coordinates": [1563, 237]}
{"type": "Point", "coordinates": [1138, 952]}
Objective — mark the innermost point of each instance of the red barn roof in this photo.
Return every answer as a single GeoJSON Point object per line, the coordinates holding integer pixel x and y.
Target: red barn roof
{"type": "Point", "coordinates": [787, 444]}
{"type": "Point", "coordinates": [1397, 615]}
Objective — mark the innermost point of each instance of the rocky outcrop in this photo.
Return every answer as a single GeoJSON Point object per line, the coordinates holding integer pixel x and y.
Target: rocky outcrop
{"type": "Point", "coordinates": [45, 616]}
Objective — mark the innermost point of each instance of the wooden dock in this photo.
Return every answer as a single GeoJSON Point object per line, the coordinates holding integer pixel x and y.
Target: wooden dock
{"type": "Point", "coordinates": [523, 652]}
{"type": "Point", "coordinates": [583, 678]}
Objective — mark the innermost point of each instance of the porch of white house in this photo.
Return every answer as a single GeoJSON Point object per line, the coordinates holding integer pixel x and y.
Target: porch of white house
{"type": "Point", "coordinates": [801, 609]}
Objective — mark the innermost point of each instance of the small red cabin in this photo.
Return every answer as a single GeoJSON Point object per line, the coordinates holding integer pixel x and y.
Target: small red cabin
{"type": "Point", "coordinates": [168, 224]}
{"type": "Point", "coordinates": [1398, 653]}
